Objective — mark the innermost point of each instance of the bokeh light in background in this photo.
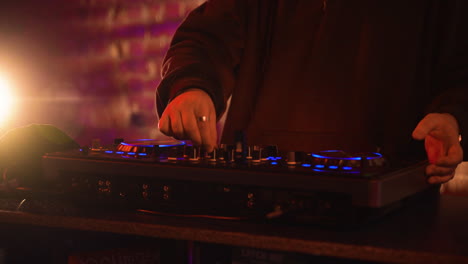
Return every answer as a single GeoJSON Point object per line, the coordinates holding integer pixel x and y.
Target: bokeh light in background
{"type": "Point", "coordinates": [88, 67]}
{"type": "Point", "coordinates": [6, 99]}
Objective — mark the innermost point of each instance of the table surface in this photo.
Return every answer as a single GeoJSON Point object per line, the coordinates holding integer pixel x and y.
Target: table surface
{"type": "Point", "coordinates": [426, 232]}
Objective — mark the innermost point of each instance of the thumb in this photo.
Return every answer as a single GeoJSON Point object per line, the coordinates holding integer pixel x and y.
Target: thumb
{"type": "Point", "coordinates": [424, 127]}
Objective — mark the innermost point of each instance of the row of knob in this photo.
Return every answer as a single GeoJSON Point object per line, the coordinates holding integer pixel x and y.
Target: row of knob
{"type": "Point", "coordinates": [330, 160]}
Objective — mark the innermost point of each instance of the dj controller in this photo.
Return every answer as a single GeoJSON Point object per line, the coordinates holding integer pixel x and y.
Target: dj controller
{"type": "Point", "coordinates": [235, 181]}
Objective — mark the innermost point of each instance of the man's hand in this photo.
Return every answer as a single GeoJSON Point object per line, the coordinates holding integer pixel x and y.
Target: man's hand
{"type": "Point", "coordinates": [191, 116]}
{"type": "Point", "coordinates": [441, 139]}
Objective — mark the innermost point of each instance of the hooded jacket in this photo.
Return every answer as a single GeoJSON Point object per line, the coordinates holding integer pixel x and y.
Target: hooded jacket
{"type": "Point", "coordinates": [312, 75]}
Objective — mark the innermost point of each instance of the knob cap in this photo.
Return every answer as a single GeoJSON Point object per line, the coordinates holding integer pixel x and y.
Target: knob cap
{"type": "Point", "coordinates": [294, 157]}
{"type": "Point", "coordinates": [256, 153]}
{"type": "Point", "coordinates": [193, 153]}
{"type": "Point", "coordinates": [269, 152]}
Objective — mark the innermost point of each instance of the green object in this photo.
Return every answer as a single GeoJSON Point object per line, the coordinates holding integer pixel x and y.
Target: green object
{"type": "Point", "coordinates": [22, 148]}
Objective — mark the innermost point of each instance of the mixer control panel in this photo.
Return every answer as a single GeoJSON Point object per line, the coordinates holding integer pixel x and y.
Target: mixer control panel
{"type": "Point", "coordinates": [253, 157]}
{"type": "Point", "coordinates": [175, 176]}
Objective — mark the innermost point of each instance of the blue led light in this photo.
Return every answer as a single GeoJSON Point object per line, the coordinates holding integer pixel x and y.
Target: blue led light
{"type": "Point", "coordinates": [278, 158]}
{"type": "Point", "coordinates": [173, 145]}
{"type": "Point", "coordinates": [271, 158]}
{"type": "Point", "coordinates": [274, 163]}
{"type": "Point", "coordinates": [339, 158]}
{"type": "Point", "coordinates": [319, 166]}
{"type": "Point", "coordinates": [109, 151]}
{"type": "Point", "coordinates": [347, 168]}
{"type": "Point", "coordinates": [119, 152]}
{"type": "Point", "coordinates": [333, 167]}
{"type": "Point", "coordinates": [306, 165]}
{"type": "Point", "coordinates": [131, 153]}
{"type": "Point", "coordinates": [145, 146]}
{"type": "Point", "coordinates": [377, 155]}
{"type": "Point", "coordinates": [142, 154]}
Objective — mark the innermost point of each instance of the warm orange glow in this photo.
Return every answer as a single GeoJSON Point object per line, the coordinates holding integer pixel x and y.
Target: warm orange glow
{"type": "Point", "coordinates": [6, 99]}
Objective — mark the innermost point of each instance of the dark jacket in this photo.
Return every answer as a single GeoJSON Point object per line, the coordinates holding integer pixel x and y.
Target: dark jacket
{"type": "Point", "coordinates": [324, 74]}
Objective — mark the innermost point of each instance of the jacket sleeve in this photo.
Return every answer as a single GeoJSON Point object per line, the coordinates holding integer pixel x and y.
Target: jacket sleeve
{"type": "Point", "coordinates": [452, 65]}
{"type": "Point", "coordinates": [204, 53]}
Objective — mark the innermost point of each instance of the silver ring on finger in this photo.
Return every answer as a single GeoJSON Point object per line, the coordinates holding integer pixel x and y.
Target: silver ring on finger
{"type": "Point", "coordinates": [203, 118]}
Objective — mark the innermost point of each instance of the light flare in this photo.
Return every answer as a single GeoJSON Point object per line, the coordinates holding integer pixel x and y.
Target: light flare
{"type": "Point", "coordinates": [6, 99]}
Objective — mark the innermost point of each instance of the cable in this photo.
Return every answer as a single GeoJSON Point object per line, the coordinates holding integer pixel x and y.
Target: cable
{"type": "Point", "coordinates": [18, 208]}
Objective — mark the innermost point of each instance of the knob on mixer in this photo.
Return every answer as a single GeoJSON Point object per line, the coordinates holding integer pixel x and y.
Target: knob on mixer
{"type": "Point", "coordinates": [213, 156]}
{"type": "Point", "coordinates": [269, 152]}
{"type": "Point", "coordinates": [239, 155]}
{"type": "Point", "coordinates": [147, 148]}
{"type": "Point", "coordinates": [221, 153]}
{"type": "Point", "coordinates": [372, 161]}
{"type": "Point", "coordinates": [193, 153]}
{"type": "Point", "coordinates": [255, 154]}
{"type": "Point", "coordinates": [294, 158]}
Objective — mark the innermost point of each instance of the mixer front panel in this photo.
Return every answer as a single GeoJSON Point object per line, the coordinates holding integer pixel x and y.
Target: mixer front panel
{"type": "Point", "coordinates": [233, 181]}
